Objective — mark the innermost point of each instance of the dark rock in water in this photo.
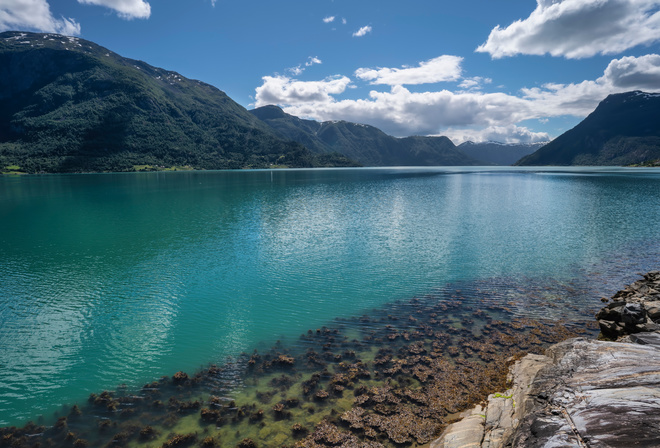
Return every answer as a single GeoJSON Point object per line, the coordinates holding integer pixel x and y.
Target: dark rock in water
{"type": "Point", "coordinates": [634, 309]}
{"type": "Point", "coordinates": [180, 377]}
{"type": "Point", "coordinates": [633, 313]}
{"type": "Point", "coordinates": [208, 442]}
{"type": "Point", "coordinates": [247, 443]}
{"type": "Point", "coordinates": [611, 312]}
{"type": "Point", "coordinates": [180, 440]}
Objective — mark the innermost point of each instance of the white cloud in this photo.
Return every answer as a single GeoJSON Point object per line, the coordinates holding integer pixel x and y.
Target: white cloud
{"type": "Point", "coordinates": [313, 60]}
{"type": "Point", "coordinates": [362, 31]}
{"type": "Point", "coordinates": [329, 19]}
{"type": "Point", "coordinates": [284, 90]}
{"type": "Point", "coordinates": [34, 15]}
{"type": "Point", "coordinates": [401, 112]}
{"type": "Point", "coordinates": [443, 68]}
{"type": "Point", "coordinates": [343, 21]}
{"type": "Point", "coordinates": [578, 29]}
{"type": "Point", "coordinates": [474, 83]}
{"type": "Point", "coordinates": [126, 9]}
{"type": "Point", "coordinates": [504, 134]}
{"type": "Point", "coordinates": [295, 71]}
{"type": "Point", "coordinates": [638, 73]}
{"type": "Point", "coordinates": [298, 69]}
{"type": "Point", "coordinates": [472, 113]}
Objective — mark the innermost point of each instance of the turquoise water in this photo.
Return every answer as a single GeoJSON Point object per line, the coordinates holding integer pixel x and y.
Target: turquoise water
{"type": "Point", "coordinates": [122, 278]}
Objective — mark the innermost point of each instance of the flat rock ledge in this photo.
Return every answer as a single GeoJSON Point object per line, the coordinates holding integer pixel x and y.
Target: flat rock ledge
{"type": "Point", "coordinates": [582, 393]}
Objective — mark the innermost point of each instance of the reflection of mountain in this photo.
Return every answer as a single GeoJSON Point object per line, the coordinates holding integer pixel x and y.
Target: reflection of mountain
{"type": "Point", "coordinates": [624, 129]}
{"type": "Point", "coordinates": [498, 153]}
{"type": "Point", "coordinates": [69, 105]}
{"type": "Point", "coordinates": [366, 144]}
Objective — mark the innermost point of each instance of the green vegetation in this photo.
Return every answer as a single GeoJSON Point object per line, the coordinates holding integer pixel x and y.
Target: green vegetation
{"type": "Point", "coordinates": [11, 169]}
{"type": "Point", "coordinates": [69, 105]}
{"type": "Point", "coordinates": [623, 130]}
{"type": "Point", "coordinates": [499, 395]}
{"type": "Point", "coordinates": [648, 164]}
{"type": "Point", "coordinates": [368, 145]}
{"type": "Point", "coordinates": [161, 168]}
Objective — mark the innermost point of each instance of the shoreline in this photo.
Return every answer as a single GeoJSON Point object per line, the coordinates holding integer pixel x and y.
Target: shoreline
{"type": "Point", "coordinates": [424, 363]}
{"type": "Point", "coordinates": [581, 392]}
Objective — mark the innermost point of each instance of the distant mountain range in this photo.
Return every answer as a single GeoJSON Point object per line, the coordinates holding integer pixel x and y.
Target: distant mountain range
{"type": "Point", "coordinates": [69, 105]}
{"type": "Point", "coordinates": [499, 153]}
{"type": "Point", "coordinates": [366, 144]}
{"type": "Point", "coordinates": [624, 129]}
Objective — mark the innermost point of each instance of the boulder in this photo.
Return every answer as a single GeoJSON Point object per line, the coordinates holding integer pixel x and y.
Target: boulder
{"type": "Point", "coordinates": [634, 309]}
{"type": "Point", "coordinates": [633, 313]}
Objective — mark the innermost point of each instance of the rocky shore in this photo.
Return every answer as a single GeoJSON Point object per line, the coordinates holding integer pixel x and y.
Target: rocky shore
{"type": "Point", "coordinates": [581, 393]}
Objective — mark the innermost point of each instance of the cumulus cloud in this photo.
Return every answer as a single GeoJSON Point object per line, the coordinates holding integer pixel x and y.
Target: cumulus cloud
{"type": "Point", "coordinates": [362, 31]}
{"type": "Point", "coordinates": [126, 9]}
{"type": "Point", "coordinates": [329, 19]}
{"type": "Point", "coordinates": [578, 29]}
{"type": "Point", "coordinates": [284, 90]}
{"type": "Point", "coordinates": [34, 15]}
{"type": "Point", "coordinates": [638, 73]}
{"type": "Point", "coordinates": [463, 114]}
{"type": "Point", "coordinates": [443, 68]}
{"type": "Point", "coordinates": [503, 134]}
{"type": "Point", "coordinates": [579, 99]}
{"type": "Point", "coordinates": [401, 112]}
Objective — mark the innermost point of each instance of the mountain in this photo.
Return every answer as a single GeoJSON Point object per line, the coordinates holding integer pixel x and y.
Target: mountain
{"type": "Point", "coordinates": [69, 105]}
{"type": "Point", "coordinates": [498, 153]}
{"type": "Point", "coordinates": [624, 129]}
{"type": "Point", "coordinates": [366, 144]}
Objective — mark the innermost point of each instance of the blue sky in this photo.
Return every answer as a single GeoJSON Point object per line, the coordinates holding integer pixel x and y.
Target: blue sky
{"type": "Point", "coordinates": [511, 71]}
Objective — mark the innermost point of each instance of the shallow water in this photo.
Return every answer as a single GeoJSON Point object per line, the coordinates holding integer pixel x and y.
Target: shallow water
{"type": "Point", "coordinates": [122, 278]}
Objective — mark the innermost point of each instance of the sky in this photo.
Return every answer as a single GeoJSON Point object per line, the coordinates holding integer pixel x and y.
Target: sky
{"type": "Point", "coordinates": [514, 71]}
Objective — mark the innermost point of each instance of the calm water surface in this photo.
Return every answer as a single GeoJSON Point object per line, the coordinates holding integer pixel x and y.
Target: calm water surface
{"type": "Point", "coordinates": [121, 278]}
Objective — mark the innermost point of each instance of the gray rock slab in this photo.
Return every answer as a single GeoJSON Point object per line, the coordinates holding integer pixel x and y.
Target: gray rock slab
{"type": "Point", "coordinates": [596, 394]}
{"type": "Point", "coordinates": [652, 339]}
{"type": "Point", "coordinates": [466, 433]}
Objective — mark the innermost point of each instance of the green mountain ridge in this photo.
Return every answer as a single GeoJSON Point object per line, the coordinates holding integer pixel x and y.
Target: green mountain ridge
{"type": "Point", "coordinates": [69, 105]}
{"type": "Point", "coordinates": [366, 144]}
{"type": "Point", "coordinates": [622, 130]}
